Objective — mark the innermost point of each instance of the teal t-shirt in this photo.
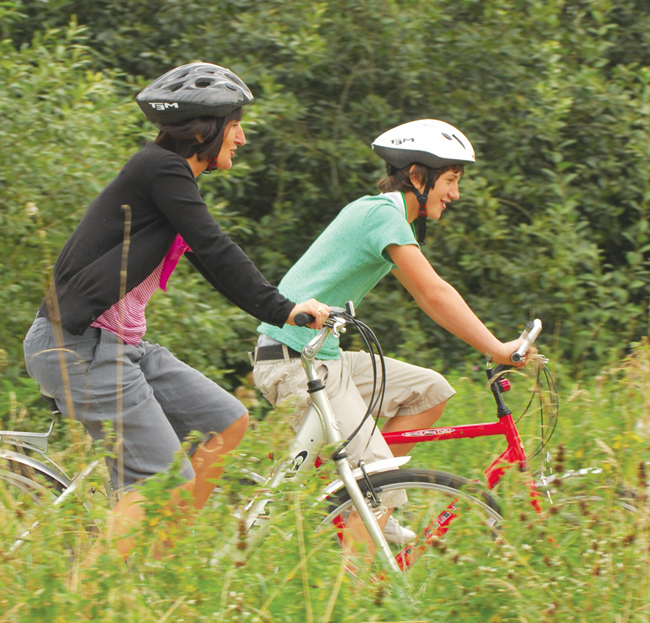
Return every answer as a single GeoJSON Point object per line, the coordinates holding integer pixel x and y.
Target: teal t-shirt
{"type": "Point", "coordinates": [344, 263]}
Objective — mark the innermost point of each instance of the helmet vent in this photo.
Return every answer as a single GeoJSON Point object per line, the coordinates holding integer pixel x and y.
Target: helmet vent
{"type": "Point", "coordinates": [191, 91]}
{"type": "Point", "coordinates": [461, 142]}
{"type": "Point", "coordinates": [447, 136]}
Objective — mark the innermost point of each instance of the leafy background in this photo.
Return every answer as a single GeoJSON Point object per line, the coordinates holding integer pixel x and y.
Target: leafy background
{"type": "Point", "coordinates": [553, 219]}
{"type": "Point", "coordinates": [553, 222]}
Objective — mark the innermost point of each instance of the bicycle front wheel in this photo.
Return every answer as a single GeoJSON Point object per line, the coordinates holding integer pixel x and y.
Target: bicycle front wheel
{"type": "Point", "coordinates": [443, 509]}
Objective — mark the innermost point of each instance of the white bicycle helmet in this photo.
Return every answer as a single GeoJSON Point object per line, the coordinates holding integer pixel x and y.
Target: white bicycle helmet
{"type": "Point", "coordinates": [430, 142]}
{"type": "Point", "coordinates": [193, 90]}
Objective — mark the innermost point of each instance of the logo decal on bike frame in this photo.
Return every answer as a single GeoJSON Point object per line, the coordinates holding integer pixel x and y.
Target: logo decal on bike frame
{"type": "Point", "coordinates": [429, 431]}
{"type": "Point", "coordinates": [298, 460]}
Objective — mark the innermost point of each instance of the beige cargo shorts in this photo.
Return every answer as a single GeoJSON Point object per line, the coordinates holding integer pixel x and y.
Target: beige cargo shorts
{"type": "Point", "coordinates": [349, 381]}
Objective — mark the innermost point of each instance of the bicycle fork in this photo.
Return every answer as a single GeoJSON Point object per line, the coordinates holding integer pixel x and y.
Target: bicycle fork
{"type": "Point", "coordinates": [320, 402]}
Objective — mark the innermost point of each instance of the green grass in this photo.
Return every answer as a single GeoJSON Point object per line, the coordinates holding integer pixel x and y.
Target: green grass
{"type": "Point", "coordinates": [585, 559]}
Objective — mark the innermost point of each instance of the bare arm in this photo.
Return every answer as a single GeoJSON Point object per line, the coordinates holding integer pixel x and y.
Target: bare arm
{"type": "Point", "coordinates": [443, 304]}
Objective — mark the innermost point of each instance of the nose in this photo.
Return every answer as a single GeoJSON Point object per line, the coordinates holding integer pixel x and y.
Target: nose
{"type": "Point", "coordinates": [240, 137]}
{"type": "Point", "coordinates": [454, 192]}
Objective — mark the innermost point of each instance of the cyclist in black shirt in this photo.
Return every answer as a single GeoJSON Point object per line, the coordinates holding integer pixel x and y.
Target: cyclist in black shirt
{"type": "Point", "coordinates": [85, 347]}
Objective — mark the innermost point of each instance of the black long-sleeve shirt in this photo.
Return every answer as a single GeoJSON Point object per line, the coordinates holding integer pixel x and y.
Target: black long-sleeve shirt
{"type": "Point", "coordinates": [164, 201]}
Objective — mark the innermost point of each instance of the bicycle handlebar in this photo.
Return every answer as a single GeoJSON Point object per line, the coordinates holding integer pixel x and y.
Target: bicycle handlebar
{"type": "Point", "coordinates": [302, 319]}
{"type": "Point", "coordinates": [532, 329]}
{"type": "Point", "coordinates": [336, 314]}
{"type": "Point", "coordinates": [529, 335]}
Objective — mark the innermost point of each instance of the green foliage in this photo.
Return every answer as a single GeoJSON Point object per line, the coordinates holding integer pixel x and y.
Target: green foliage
{"type": "Point", "coordinates": [584, 559]}
{"type": "Point", "coordinates": [64, 134]}
{"type": "Point", "coordinates": [553, 219]}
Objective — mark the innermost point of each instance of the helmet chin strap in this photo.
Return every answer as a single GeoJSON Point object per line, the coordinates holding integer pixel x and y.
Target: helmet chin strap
{"type": "Point", "coordinates": [422, 209]}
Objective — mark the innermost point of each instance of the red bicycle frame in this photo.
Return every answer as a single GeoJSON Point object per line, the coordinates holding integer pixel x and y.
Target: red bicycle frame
{"type": "Point", "coordinates": [513, 455]}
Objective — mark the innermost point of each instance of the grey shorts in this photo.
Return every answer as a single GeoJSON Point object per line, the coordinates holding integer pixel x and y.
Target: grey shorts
{"type": "Point", "coordinates": [161, 399]}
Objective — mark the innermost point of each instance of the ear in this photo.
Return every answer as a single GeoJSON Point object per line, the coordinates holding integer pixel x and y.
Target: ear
{"type": "Point", "coordinates": [415, 177]}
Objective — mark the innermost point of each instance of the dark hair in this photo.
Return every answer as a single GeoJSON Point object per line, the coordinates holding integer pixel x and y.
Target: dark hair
{"type": "Point", "coordinates": [182, 139]}
{"type": "Point", "coordinates": [400, 179]}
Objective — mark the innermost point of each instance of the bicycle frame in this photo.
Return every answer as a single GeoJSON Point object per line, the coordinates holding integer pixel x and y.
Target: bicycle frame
{"type": "Point", "coordinates": [318, 429]}
{"type": "Point", "coordinates": [513, 455]}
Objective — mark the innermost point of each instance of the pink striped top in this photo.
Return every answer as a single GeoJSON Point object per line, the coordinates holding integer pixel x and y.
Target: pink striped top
{"type": "Point", "coordinates": [126, 318]}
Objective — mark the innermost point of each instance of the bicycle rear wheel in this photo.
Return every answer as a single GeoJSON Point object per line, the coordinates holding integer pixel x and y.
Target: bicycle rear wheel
{"type": "Point", "coordinates": [443, 509]}
{"type": "Point", "coordinates": [27, 490]}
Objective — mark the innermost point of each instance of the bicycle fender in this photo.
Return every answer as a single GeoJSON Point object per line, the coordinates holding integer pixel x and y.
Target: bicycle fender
{"type": "Point", "coordinates": [385, 465]}
{"type": "Point", "coordinates": [29, 462]}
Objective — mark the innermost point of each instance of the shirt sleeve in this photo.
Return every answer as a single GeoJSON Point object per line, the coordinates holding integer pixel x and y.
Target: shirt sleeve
{"type": "Point", "coordinates": [222, 262]}
{"type": "Point", "coordinates": [385, 225]}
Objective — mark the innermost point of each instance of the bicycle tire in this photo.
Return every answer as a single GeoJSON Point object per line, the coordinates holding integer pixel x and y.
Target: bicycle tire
{"type": "Point", "coordinates": [26, 490]}
{"type": "Point", "coordinates": [579, 489]}
{"type": "Point", "coordinates": [475, 514]}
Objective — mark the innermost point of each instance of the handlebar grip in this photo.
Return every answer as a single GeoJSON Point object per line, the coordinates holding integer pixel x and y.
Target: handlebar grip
{"type": "Point", "coordinates": [529, 335]}
{"type": "Point", "coordinates": [302, 319]}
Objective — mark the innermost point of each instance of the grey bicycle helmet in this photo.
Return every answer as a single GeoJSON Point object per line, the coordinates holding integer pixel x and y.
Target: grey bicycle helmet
{"type": "Point", "coordinates": [430, 142]}
{"type": "Point", "coordinates": [193, 90]}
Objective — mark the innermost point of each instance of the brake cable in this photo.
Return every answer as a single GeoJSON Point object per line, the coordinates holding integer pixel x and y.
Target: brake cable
{"type": "Point", "coordinates": [377, 397]}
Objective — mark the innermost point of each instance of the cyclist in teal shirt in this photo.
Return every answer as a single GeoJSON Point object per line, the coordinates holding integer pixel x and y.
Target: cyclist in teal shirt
{"type": "Point", "coordinates": [371, 237]}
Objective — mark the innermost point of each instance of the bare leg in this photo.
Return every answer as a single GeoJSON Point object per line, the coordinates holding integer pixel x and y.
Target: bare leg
{"type": "Point", "coordinates": [412, 422]}
{"type": "Point", "coordinates": [207, 462]}
{"type": "Point", "coordinates": [128, 513]}
{"type": "Point", "coordinates": [355, 534]}
{"type": "Point", "coordinates": [356, 537]}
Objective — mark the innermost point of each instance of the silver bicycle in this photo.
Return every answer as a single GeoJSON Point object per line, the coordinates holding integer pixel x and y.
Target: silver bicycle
{"type": "Point", "coordinates": [435, 498]}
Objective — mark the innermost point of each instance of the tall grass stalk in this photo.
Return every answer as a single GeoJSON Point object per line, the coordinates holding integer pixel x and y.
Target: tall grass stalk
{"type": "Point", "coordinates": [587, 559]}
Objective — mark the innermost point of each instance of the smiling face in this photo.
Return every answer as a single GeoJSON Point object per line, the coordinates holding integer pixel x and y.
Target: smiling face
{"type": "Point", "coordinates": [233, 136]}
{"type": "Point", "coordinates": [446, 189]}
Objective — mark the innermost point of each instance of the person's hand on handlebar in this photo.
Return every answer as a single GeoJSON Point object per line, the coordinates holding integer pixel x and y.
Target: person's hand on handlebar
{"type": "Point", "coordinates": [507, 348]}
{"type": "Point", "coordinates": [319, 311]}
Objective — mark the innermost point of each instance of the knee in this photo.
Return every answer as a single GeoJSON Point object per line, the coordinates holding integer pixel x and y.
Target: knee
{"type": "Point", "coordinates": [242, 423]}
{"type": "Point", "coordinates": [236, 431]}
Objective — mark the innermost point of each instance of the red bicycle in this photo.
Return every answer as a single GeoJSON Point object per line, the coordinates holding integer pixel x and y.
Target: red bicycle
{"type": "Point", "coordinates": [439, 501]}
